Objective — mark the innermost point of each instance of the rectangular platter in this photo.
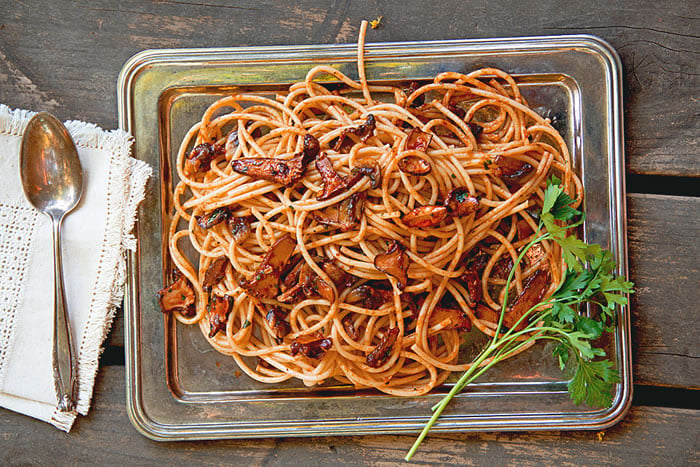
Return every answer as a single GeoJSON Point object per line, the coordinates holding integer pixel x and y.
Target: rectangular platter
{"type": "Point", "coordinates": [178, 387]}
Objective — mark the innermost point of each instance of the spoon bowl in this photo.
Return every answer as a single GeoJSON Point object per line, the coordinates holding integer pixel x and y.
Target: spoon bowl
{"type": "Point", "coordinates": [52, 179]}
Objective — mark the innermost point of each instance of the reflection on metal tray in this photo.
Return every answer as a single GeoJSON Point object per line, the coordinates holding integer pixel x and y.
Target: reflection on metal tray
{"type": "Point", "coordinates": [178, 387]}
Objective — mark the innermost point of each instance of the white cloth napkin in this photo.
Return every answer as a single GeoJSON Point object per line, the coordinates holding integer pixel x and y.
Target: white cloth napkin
{"type": "Point", "coordinates": [95, 237]}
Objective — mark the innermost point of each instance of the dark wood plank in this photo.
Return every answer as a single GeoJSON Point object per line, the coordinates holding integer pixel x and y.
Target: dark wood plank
{"type": "Point", "coordinates": [116, 334]}
{"type": "Point", "coordinates": [647, 436]}
{"type": "Point", "coordinates": [664, 259]}
{"type": "Point", "coordinates": [664, 264]}
{"type": "Point", "coordinates": [71, 63]}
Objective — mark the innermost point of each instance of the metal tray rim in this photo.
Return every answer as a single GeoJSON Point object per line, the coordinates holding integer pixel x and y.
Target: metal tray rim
{"type": "Point", "coordinates": [151, 428]}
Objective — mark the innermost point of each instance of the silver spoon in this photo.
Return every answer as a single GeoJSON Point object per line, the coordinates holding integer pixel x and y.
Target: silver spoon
{"type": "Point", "coordinates": [52, 179]}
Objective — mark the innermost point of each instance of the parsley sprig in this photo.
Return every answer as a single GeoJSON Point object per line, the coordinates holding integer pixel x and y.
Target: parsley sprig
{"type": "Point", "coordinates": [590, 278]}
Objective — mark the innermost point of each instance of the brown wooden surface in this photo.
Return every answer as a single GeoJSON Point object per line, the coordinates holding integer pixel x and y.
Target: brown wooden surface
{"type": "Point", "coordinates": [647, 436]}
{"type": "Point", "coordinates": [65, 56]}
{"type": "Point", "coordinates": [663, 233]}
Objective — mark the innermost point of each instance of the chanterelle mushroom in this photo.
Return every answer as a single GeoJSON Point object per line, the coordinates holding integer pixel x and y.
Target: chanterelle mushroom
{"type": "Point", "coordinates": [394, 262]}
{"type": "Point", "coordinates": [382, 352]}
{"type": "Point", "coordinates": [177, 296]}
{"type": "Point", "coordinates": [533, 291]}
{"type": "Point", "coordinates": [511, 170]}
{"type": "Point", "coordinates": [199, 159]}
{"type": "Point", "coordinates": [363, 131]}
{"type": "Point", "coordinates": [311, 346]}
{"type": "Point", "coordinates": [284, 172]}
{"type": "Point", "coordinates": [219, 308]}
{"type": "Point", "coordinates": [425, 216]}
{"type": "Point", "coordinates": [214, 273]}
{"type": "Point", "coordinates": [459, 203]}
{"type": "Point", "coordinates": [265, 281]}
{"type": "Point", "coordinates": [344, 215]}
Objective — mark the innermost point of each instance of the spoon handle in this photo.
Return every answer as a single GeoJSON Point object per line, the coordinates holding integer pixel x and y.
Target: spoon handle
{"type": "Point", "coordinates": [64, 361]}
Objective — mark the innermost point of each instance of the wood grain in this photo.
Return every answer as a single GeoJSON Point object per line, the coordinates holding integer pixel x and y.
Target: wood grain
{"type": "Point", "coordinates": [647, 436]}
{"type": "Point", "coordinates": [70, 64]}
{"type": "Point", "coordinates": [662, 233]}
{"type": "Point", "coordinates": [65, 56]}
{"type": "Point", "coordinates": [665, 266]}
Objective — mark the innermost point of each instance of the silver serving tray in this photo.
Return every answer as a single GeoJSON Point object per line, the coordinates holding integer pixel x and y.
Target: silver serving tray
{"type": "Point", "coordinates": [180, 388]}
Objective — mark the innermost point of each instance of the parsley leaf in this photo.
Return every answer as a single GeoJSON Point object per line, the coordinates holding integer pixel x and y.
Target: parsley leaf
{"type": "Point", "coordinates": [563, 313]}
{"type": "Point", "coordinates": [562, 353]}
{"type": "Point", "coordinates": [551, 194]}
{"type": "Point", "coordinates": [592, 383]}
{"type": "Point", "coordinates": [589, 279]}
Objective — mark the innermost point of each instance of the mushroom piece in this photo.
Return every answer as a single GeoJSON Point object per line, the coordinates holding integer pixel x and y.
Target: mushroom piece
{"type": "Point", "coordinates": [240, 228]}
{"type": "Point", "coordinates": [214, 273]}
{"type": "Point", "coordinates": [457, 318]}
{"type": "Point", "coordinates": [340, 278]}
{"type": "Point", "coordinates": [311, 345]}
{"type": "Point", "coordinates": [231, 144]}
{"type": "Point", "coordinates": [199, 159]}
{"type": "Point", "coordinates": [382, 351]}
{"type": "Point", "coordinates": [459, 203]}
{"type": "Point", "coordinates": [297, 284]}
{"type": "Point", "coordinates": [219, 308]}
{"type": "Point", "coordinates": [369, 297]}
{"type": "Point", "coordinates": [532, 293]}
{"type": "Point", "coordinates": [290, 274]}
{"type": "Point", "coordinates": [276, 319]}
{"type": "Point", "coordinates": [302, 282]}
{"type": "Point", "coordinates": [414, 165]}
{"type": "Point", "coordinates": [265, 281]}
{"type": "Point", "coordinates": [476, 261]}
{"type": "Point", "coordinates": [485, 313]}
{"type": "Point", "coordinates": [394, 262]}
{"type": "Point", "coordinates": [344, 215]}
{"type": "Point", "coordinates": [413, 86]}
{"type": "Point", "coordinates": [458, 111]}
{"type": "Point", "coordinates": [535, 254]}
{"type": "Point", "coordinates": [349, 327]}
{"type": "Point", "coordinates": [475, 129]}
{"type": "Point", "coordinates": [418, 140]}
{"type": "Point", "coordinates": [363, 131]}
{"type": "Point", "coordinates": [314, 285]}
{"type": "Point", "coordinates": [511, 170]}
{"type": "Point", "coordinates": [312, 147]}
{"type": "Point", "coordinates": [502, 268]}
{"type": "Point", "coordinates": [210, 219]}
{"type": "Point", "coordinates": [524, 229]}
{"type": "Point", "coordinates": [284, 172]}
{"type": "Point", "coordinates": [177, 296]}
{"type": "Point", "coordinates": [473, 282]}
{"type": "Point", "coordinates": [333, 183]}
{"type": "Point", "coordinates": [369, 169]}
{"type": "Point", "coordinates": [425, 216]}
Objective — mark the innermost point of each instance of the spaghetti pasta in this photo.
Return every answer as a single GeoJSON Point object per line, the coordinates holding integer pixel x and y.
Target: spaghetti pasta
{"type": "Point", "coordinates": [355, 231]}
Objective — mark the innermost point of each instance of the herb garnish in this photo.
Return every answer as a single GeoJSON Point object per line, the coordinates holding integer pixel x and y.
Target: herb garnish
{"type": "Point", "coordinates": [589, 278]}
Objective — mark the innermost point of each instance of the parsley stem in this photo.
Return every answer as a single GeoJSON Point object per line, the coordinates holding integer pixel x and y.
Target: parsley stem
{"type": "Point", "coordinates": [588, 272]}
{"type": "Point", "coordinates": [510, 279]}
{"type": "Point", "coordinates": [440, 407]}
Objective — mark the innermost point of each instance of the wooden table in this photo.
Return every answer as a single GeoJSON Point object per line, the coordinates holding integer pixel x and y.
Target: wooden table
{"type": "Point", "coordinates": [64, 57]}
